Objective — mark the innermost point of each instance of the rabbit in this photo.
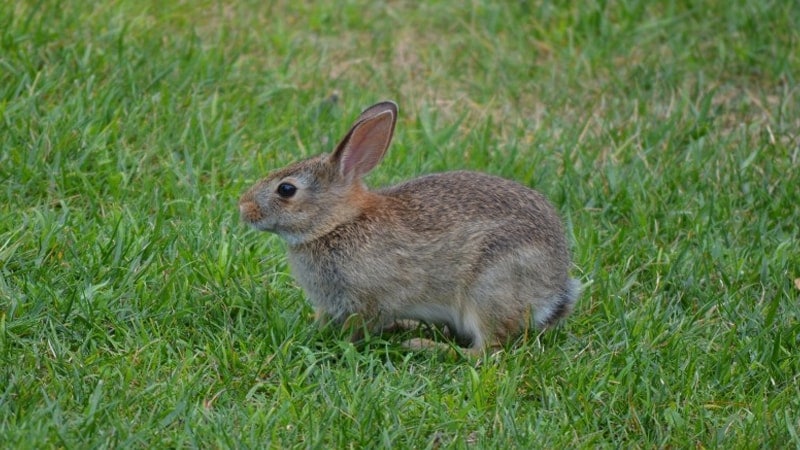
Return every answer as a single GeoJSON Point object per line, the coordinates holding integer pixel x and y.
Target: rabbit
{"type": "Point", "coordinates": [481, 255]}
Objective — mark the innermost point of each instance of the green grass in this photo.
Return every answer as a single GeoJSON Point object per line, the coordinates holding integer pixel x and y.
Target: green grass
{"type": "Point", "coordinates": [136, 310]}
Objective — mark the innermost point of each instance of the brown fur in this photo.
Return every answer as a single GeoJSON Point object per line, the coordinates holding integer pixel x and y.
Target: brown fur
{"type": "Point", "coordinates": [481, 254]}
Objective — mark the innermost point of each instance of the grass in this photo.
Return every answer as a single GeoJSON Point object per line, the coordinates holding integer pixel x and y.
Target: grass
{"type": "Point", "coordinates": [137, 311]}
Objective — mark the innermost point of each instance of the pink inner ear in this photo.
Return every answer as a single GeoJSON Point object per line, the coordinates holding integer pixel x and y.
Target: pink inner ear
{"type": "Point", "coordinates": [367, 144]}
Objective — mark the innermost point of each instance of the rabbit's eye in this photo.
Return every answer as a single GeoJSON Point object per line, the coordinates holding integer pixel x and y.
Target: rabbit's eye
{"type": "Point", "coordinates": [286, 190]}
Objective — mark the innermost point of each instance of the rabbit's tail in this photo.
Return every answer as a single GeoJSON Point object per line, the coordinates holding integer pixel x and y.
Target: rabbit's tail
{"type": "Point", "coordinates": [562, 305]}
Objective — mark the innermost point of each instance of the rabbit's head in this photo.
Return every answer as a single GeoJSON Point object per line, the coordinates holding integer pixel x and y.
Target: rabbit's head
{"type": "Point", "coordinates": [310, 198]}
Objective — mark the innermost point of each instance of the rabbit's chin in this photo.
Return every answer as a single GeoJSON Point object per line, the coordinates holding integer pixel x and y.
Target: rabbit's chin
{"type": "Point", "coordinates": [261, 226]}
{"type": "Point", "coordinates": [292, 239]}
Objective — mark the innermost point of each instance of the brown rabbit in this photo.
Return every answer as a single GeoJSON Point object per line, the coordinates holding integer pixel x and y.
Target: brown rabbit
{"type": "Point", "coordinates": [480, 254]}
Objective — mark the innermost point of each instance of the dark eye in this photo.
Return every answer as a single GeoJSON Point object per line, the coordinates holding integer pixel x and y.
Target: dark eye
{"type": "Point", "coordinates": [286, 190]}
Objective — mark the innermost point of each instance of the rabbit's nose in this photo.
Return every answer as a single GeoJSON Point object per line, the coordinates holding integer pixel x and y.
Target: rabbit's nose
{"type": "Point", "coordinates": [249, 210]}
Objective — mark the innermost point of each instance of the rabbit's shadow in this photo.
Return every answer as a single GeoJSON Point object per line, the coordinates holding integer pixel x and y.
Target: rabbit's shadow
{"type": "Point", "coordinates": [393, 340]}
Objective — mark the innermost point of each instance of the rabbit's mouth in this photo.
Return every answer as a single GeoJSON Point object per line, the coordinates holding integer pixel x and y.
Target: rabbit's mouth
{"type": "Point", "coordinates": [254, 216]}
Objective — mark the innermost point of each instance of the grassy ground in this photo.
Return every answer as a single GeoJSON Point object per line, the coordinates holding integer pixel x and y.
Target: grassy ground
{"type": "Point", "coordinates": [137, 311]}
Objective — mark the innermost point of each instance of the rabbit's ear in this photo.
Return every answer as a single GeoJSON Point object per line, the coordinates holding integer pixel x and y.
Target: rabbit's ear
{"type": "Point", "coordinates": [365, 144]}
{"type": "Point", "coordinates": [378, 108]}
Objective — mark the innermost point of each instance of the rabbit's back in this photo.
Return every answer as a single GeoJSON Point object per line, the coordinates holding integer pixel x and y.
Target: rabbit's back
{"type": "Point", "coordinates": [507, 214]}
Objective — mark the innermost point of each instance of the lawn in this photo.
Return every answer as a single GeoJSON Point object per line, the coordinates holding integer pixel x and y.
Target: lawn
{"type": "Point", "coordinates": [138, 311]}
